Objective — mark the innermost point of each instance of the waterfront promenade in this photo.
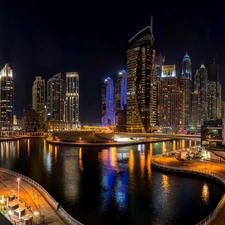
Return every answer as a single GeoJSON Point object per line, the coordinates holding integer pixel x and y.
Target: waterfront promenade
{"type": "Point", "coordinates": [39, 206]}
{"type": "Point", "coordinates": [214, 169]}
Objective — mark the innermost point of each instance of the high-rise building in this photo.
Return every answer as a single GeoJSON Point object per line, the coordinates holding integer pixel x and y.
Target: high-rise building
{"type": "Point", "coordinates": [121, 101]}
{"type": "Point", "coordinates": [6, 95]}
{"type": "Point", "coordinates": [214, 76]}
{"type": "Point", "coordinates": [38, 98]}
{"type": "Point", "coordinates": [211, 98]}
{"type": "Point", "coordinates": [186, 90]}
{"type": "Point", "coordinates": [186, 66]}
{"type": "Point", "coordinates": [141, 83]}
{"type": "Point", "coordinates": [72, 99]}
{"type": "Point", "coordinates": [201, 111]}
{"type": "Point", "coordinates": [108, 103]}
{"type": "Point", "coordinates": [169, 101]}
{"type": "Point", "coordinates": [56, 97]}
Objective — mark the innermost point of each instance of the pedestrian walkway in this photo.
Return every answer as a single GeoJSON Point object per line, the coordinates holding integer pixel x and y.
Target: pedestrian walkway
{"type": "Point", "coordinates": [215, 168]}
{"type": "Point", "coordinates": [25, 200]}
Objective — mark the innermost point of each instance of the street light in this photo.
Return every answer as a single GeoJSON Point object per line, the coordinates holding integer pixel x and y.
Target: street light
{"type": "Point", "coordinates": [18, 179]}
{"type": "Point", "coordinates": [36, 215]}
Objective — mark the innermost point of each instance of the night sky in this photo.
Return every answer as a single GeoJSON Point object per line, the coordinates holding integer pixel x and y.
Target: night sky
{"type": "Point", "coordinates": [40, 38]}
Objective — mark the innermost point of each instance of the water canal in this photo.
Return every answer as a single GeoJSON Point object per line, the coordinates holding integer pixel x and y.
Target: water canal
{"type": "Point", "coordinates": [104, 186]}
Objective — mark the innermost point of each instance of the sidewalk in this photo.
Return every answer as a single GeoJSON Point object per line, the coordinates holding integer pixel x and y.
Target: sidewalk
{"type": "Point", "coordinates": [214, 167]}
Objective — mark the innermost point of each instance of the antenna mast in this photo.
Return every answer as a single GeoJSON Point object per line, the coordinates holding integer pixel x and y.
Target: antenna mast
{"type": "Point", "coordinates": [152, 23]}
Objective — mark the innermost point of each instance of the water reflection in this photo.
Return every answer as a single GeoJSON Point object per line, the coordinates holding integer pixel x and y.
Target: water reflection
{"type": "Point", "coordinates": [113, 185]}
{"type": "Point", "coordinates": [205, 194]}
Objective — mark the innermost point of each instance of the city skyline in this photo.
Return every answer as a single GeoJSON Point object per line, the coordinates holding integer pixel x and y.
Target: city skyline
{"type": "Point", "coordinates": [41, 40]}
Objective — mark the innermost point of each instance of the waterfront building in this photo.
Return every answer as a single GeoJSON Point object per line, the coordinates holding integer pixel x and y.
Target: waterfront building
{"type": "Point", "coordinates": [56, 97]}
{"type": "Point", "coordinates": [186, 90]}
{"type": "Point", "coordinates": [6, 95]}
{"type": "Point", "coordinates": [214, 76]}
{"type": "Point", "coordinates": [72, 99]}
{"type": "Point", "coordinates": [169, 101]}
{"type": "Point", "coordinates": [141, 83]}
{"type": "Point", "coordinates": [108, 103]}
{"type": "Point", "coordinates": [194, 104]}
{"type": "Point", "coordinates": [213, 133]}
{"type": "Point", "coordinates": [38, 98]}
{"type": "Point", "coordinates": [201, 111]}
{"type": "Point", "coordinates": [121, 101]}
{"type": "Point", "coordinates": [211, 98]}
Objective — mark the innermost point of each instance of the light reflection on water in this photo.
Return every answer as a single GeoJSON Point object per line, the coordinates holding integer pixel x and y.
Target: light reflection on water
{"type": "Point", "coordinates": [115, 184]}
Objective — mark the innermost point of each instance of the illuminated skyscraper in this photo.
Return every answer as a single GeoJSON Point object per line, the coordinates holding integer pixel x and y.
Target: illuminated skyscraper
{"type": "Point", "coordinates": [211, 98]}
{"type": "Point", "coordinates": [169, 101]}
{"type": "Point", "coordinates": [141, 83]}
{"type": "Point", "coordinates": [201, 111]}
{"type": "Point", "coordinates": [186, 67]}
{"type": "Point", "coordinates": [121, 101]}
{"type": "Point", "coordinates": [214, 76]}
{"type": "Point", "coordinates": [56, 97]}
{"type": "Point", "coordinates": [72, 98]}
{"type": "Point", "coordinates": [108, 103]}
{"type": "Point", "coordinates": [6, 95]}
{"type": "Point", "coordinates": [186, 89]}
{"type": "Point", "coordinates": [38, 98]}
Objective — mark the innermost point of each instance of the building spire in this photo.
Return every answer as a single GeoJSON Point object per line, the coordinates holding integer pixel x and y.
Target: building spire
{"type": "Point", "coordinates": [151, 24]}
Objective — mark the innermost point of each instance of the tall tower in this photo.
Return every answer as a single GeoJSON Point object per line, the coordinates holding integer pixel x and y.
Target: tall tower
{"type": "Point", "coordinates": [121, 101]}
{"type": "Point", "coordinates": [38, 97]}
{"type": "Point", "coordinates": [201, 112]}
{"type": "Point", "coordinates": [72, 98]}
{"type": "Point", "coordinates": [6, 95]}
{"type": "Point", "coordinates": [141, 83]}
{"type": "Point", "coordinates": [214, 76]}
{"type": "Point", "coordinates": [56, 97]}
{"type": "Point", "coordinates": [169, 101]}
{"type": "Point", "coordinates": [108, 105]}
{"type": "Point", "coordinates": [186, 90]}
{"type": "Point", "coordinates": [186, 66]}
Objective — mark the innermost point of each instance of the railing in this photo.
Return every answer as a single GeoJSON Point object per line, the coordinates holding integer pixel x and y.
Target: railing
{"type": "Point", "coordinates": [202, 172]}
{"type": "Point", "coordinates": [63, 214]}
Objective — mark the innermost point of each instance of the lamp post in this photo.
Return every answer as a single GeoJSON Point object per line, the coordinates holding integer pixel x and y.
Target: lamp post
{"type": "Point", "coordinates": [18, 179]}
{"type": "Point", "coordinates": [36, 215]}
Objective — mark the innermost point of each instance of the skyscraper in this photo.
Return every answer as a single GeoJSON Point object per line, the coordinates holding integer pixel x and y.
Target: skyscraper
{"type": "Point", "coordinates": [121, 101]}
{"type": "Point", "coordinates": [72, 99]}
{"type": "Point", "coordinates": [186, 90]}
{"type": "Point", "coordinates": [38, 98]}
{"type": "Point", "coordinates": [201, 112]}
{"type": "Point", "coordinates": [169, 101]}
{"type": "Point", "coordinates": [186, 67]}
{"type": "Point", "coordinates": [6, 95]}
{"type": "Point", "coordinates": [141, 83]}
{"type": "Point", "coordinates": [214, 76]}
{"type": "Point", "coordinates": [108, 103]}
{"type": "Point", "coordinates": [56, 97]}
{"type": "Point", "coordinates": [211, 98]}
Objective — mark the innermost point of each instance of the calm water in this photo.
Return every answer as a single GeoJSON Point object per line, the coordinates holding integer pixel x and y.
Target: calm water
{"type": "Point", "coordinates": [101, 186]}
